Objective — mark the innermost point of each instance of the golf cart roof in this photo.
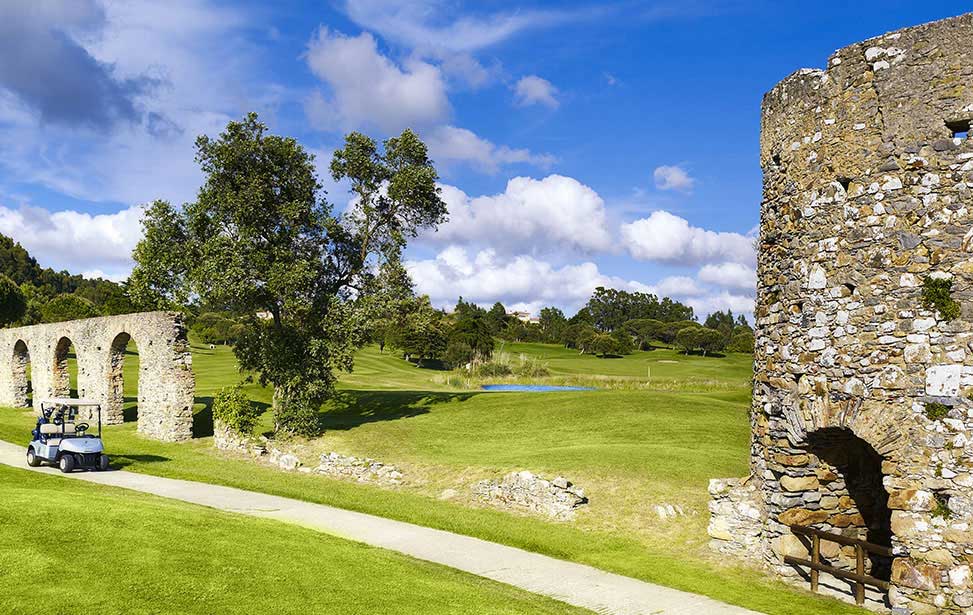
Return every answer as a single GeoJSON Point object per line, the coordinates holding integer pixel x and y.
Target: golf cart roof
{"type": "Point", "coordinates": [69, 401]}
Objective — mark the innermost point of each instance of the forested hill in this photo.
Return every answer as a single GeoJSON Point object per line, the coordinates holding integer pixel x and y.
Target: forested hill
{"type": "Point", "coordinates": [58, 295]}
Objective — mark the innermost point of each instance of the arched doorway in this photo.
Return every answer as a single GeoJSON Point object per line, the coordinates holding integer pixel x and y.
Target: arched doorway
{"type": "Point", "coordinates": [123, 374]}
{"type": "Point", "coordinates": [850, 496]}
{"type": "Point", "coordinates": [64, 379]}
{"type": "Point", "coordinates": [23, 392]}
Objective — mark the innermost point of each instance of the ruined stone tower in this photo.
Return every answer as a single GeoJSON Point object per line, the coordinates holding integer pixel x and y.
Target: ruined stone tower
{"type": "Point", "coordinates": [862, 415]}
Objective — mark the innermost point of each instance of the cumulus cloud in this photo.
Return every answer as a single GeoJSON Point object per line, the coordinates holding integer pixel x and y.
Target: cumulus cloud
{"type": "Point", "coordinates": [99, 244]}
{"type": "Point", "coordinates": [672, 178]}
{"type": "Point", "coordinates": [729, 275]}
{"type": "Point", "coordinates": [486, 277]}
{"type": "Point", "coordinates": [556, 213]}
{"type": "Point", "coordinates": [533, 90]}
{"type": "Point", "coordinates": [368, 89]}
{"type": "Point", "coordinates": [47, 68]}
{"type": "Point", "coordinates": [722, 301]}
{"type": "Point", "coordinates": [667, 238]}
{"type": "Point", "coordinates": [451, 144]}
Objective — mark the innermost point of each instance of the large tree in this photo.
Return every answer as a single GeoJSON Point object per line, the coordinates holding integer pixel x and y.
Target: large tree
{"type": "Point", "coordinates": [13, 304]}
{"type": "Point", "coordinates": [261, 239]}
{"type": "Point", "coordinates": [609, 308]}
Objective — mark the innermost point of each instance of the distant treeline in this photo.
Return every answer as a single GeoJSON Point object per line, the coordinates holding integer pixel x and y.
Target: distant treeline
{"type": "Point", "coordinates": [31, 294]}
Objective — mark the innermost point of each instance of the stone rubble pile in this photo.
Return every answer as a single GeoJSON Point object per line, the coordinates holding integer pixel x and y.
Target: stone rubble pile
{"type": "Point", "coordinates": [736, 518]}
{"type": "Point", "coordinates": [362, 470]}
{"type": "Point", "coordinates": [556, 499]}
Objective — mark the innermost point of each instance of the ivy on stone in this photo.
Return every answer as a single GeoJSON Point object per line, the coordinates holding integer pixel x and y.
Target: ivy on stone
{"type": "Point", "coordinates": [936, 295]}
{"type": "Point", "coordinates": [936, 411]}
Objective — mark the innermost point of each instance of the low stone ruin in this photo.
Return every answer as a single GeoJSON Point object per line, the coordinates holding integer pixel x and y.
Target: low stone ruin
{"type": "Point", "coordinates": [735, 518]}
{"type": "Point", "coordinates": [361, 470]}
{"type": "Point", "coordinates": [556, 499]}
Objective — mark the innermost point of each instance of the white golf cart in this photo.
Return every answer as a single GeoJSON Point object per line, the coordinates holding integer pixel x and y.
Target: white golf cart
{"type": "Point", "coordinates": [59, 439]}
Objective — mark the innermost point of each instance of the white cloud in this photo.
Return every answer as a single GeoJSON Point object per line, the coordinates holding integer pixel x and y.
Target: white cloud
{"type": "Point", "coordinates": [722, 301]}
{"type": "Point", "coordinates": [667, 238]}
{"type": "Point", "coordinates": [420, 24]}
{"type": "Point", "coordinates": [673, 178]}
{"type": "Point", "coordinates": [730, 275]}
{"type": "Point", "coordinates": [553, 214]}
{"type": "Point", "coordinates": [99, 244]}
{"type": "Point", "coordinates": [533, 90]}
{"type": "Point", "coordinates": [485, 277]}
{"type": "Point", "coordinates": [368, 89]}
{"type": "Point", "coordinates": [202, 71]}
{"type": "Point", "coordinates": [679, 286]}
{"type": "Point", "coordinates": [451, 144]}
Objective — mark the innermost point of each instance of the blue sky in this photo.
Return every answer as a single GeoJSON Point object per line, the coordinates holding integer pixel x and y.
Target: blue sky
{"type": "Point", "coordinates": [579, 143]}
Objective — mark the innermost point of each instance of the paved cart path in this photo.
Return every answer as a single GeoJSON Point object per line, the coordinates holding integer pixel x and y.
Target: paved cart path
{"type": "Point", "coordinates": [576, 584]}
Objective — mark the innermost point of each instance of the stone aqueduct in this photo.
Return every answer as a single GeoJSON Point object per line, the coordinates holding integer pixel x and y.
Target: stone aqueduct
{"type": "Point", "coordinates": [868, 193]}
{"type": "Point", "coordinates": [166, 384]}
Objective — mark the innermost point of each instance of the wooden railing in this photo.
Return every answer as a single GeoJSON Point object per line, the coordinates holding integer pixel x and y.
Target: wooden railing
{"type": "Point", "coordinates": [861, 547]}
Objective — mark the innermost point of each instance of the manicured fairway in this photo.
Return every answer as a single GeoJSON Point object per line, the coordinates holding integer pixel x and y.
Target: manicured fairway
{"type": "Point", "coordinates": [70, 547]}
{"type": "Point", "coordinates": [665, 426]}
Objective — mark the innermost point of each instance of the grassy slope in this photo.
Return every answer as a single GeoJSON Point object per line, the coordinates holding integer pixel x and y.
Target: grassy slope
{"type": "Point", "coordinates": [629, 448]}
{"type": "Point", "coordinates": [71, 547]}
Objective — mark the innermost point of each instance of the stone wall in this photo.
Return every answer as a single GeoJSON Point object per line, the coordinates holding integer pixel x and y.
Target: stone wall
{"type": "Point", "coordinates": [868, 193]}
{"type": "Point", "coordinates": [166, 382]}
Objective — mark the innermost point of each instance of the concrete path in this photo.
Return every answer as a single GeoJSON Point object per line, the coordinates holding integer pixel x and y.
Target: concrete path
{"type": "Point", "coordinates": [577, 584]}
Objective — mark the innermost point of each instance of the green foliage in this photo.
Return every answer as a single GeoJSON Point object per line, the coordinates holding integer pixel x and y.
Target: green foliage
{"type": "Point", "coordinates": [609, 309]}
{"type": "Point", "coordinates": [492, 369]}
{"type": "Point", "coordinates": [68, 307]}
{"type": "Point", "coordinates": [13, 304]}
{"type": "Point", "coordinates": [233, 408]}
{"type": "Point", "coordinates": [699, 338]}
{"type": "Point", "coordinates": [295, 416]}
{"type": "Point", "coordinates": [644, 330]}
{"type": "Point", "coordinates": [496, 318]}
{"type": "Point", "coordinates": [425, 332]}
{"type": "Point", "coordinates": [531, 367]}
{"type": "Point", "coordinates": [217, 328]}
{"type": "Point", "coordinates": [40, 285]}
{"type": "Point", "coordinates": [552, 324]}
{"type": "Point", "coordinates": [936, 411]}
{"type": "Point", "coordinates": [941, 506]}
{"type": "Point", "coordinates": [741, 342]}
{"type": "Point", "coordinates": [576, 334]}
{"type": "Point", "coordinates": [476, 333]}
{"type": "Point", "coordinates": [259, 238]}
{"type": "Point", "coordinates": [936, 295]}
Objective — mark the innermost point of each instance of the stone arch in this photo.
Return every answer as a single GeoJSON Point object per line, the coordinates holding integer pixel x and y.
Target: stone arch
{"type": "Point", "coordinates": [20, 378]}
{"type": "Point", "coordinates": [166, 381]}
{"type": "Point", "coordinates": [61, 375]}
{"type": "Point", "coordinates": [115, 407]}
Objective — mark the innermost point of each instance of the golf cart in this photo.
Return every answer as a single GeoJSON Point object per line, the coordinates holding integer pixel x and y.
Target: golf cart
{"type": "Point", "coordinates": [59, 439]}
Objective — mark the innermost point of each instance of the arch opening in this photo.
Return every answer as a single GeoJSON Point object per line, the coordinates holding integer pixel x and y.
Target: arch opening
{"type": "Point", "coordinates": [23, 389]}
{"type": "Point", "coordinates": [850, 498]}
{"type": "Point", "coordinates": [65, 372]}
{"type": "Point", "coordinates": [123, 375]}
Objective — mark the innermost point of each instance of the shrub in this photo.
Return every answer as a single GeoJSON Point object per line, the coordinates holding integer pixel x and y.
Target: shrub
{"type": "Point", "coordinates": [531, 368]}
{"type": "Point", "coordinates": [491, 370]}
{"type": "Point", "coordinates": [936, 411]}
{"type": "Point", "coordinates": [936, 295]}
{"type": "Point", "coordinates": [13, 304]}
{"type": "Point", "coordinates": [741, 342]}
{"type": "Point", "coordinates": [232, 408]}
{"type": "Point", "coordinates": [296, 418]}
{"type": "Point", "coordinates": [458, 354]}
{"type": "Point", "coordinates": [68, 307]}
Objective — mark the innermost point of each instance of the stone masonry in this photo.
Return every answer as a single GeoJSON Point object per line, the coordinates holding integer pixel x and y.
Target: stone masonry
{"type": "Point", "coordinates": [166, 383]}
{"type": "Point", "coordinates": [862, 416]}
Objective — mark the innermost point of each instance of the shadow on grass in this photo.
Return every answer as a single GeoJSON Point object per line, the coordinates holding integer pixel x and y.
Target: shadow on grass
{"type": "Point", "coordinates": [130, 414]}
{"type": "Point", "coordinates": [350, 409]}
{"type": "Point", "coordinates": [122, 461]}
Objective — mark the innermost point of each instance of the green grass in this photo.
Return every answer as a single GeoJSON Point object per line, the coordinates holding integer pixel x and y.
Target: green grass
{"type": "Point", "coordinates": [629, 447]}
{"type": "Point", "coordinates": [70, 547]}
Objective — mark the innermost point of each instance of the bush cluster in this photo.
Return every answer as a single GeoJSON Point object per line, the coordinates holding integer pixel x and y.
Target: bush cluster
{"type": "Point", "coordinates": [232, 408]}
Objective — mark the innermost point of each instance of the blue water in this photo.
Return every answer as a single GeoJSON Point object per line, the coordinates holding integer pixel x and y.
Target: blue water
{"type": "Point", "coordinates": [532, 388]}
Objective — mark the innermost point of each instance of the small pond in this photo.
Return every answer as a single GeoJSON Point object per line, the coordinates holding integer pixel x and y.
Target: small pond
{"type": "Point", "coordinates": [532, 388]}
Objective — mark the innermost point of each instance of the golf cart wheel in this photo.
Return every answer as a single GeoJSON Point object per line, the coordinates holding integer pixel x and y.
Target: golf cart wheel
{"type": "Point", "coordinates": [66, 463]}
{"type": "Point", "coordinates": [32, 459]}
{"type": "Point", "coordinates": [103, 463]}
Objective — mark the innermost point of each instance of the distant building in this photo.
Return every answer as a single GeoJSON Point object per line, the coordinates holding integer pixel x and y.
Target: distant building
{"type": "Point", "coordinates": [524, 317]}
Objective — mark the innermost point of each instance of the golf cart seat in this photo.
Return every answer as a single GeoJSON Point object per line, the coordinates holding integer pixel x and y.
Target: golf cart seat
{"type": "Point", "coordinates": [50, 429]}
